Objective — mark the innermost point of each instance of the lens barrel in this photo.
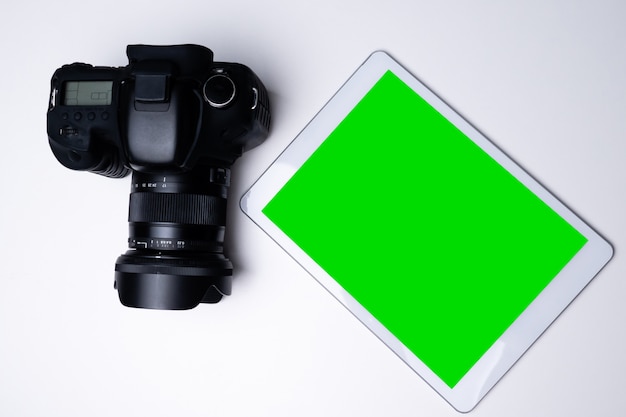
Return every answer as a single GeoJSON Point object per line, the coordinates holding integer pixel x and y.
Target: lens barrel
{"type": "Point", "coordinates": [176, 235]}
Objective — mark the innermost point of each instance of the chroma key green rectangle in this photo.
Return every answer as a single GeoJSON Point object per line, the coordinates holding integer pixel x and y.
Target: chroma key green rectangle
{"type": "Point", "coordinates": [431, 235]}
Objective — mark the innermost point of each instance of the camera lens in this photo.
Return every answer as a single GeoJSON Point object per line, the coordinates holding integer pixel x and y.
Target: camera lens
{"type": "Point", "coordinates": [176, 235]}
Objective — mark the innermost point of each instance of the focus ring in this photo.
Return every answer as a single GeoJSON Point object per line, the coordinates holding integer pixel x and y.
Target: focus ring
{"type": "Point", "coordinates": [194, 209]}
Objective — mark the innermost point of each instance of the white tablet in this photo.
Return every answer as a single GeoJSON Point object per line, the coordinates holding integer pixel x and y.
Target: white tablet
{"type": "Point", "coordinates": [438, 242]}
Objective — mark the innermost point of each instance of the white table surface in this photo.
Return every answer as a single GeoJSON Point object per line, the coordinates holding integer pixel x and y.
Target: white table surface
{"type": "Point", "coordinates": [544, 80]}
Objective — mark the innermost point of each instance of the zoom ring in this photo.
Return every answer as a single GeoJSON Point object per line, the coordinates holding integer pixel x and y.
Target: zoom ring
{"type": "Point", "coordinates": [184, 209]}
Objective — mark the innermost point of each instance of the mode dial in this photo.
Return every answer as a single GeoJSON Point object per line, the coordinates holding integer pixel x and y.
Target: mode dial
{"type": "Point", "coordinates": [219, 91]}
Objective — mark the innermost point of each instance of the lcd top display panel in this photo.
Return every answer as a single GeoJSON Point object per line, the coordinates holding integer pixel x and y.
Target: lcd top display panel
{"type": "Point", "coordinates": [427, 232]}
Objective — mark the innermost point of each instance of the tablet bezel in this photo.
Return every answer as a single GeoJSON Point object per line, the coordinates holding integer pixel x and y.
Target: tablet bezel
{"type": "Point", "coordinates": [501, 356]}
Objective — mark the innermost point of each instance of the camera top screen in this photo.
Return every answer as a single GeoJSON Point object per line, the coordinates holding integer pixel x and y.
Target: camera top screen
{"type": "Point", "coordinates": [87, 93]}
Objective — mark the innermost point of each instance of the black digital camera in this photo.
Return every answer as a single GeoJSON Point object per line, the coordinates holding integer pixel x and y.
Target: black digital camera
{"type": "Point", "coordinates": [177, 120]}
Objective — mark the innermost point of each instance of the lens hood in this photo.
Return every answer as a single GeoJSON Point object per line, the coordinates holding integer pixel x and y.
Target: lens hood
{"type": "Point", "coordinates": [155, 281]}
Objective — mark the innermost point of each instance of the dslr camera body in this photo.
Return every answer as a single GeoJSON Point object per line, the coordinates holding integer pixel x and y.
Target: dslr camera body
{"type": "Point", "coordinates": [177, 121]}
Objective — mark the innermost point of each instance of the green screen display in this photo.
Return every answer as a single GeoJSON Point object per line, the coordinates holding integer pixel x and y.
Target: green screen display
{"type": "Point", "coordinates": [423, 228]}
{"type": "Point", "coordinates": [88, 93]}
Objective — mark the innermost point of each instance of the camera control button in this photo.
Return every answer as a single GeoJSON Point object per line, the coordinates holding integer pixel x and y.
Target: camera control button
{"type": "Point", "coordinates": [105, 115]}
{"type": "Point", "coordinates": [219, 91]}
{"type": "Point", "coordinates": [68, 131]}
{"type": "Point", "coordinates": [78, 116]}
{"type": "Point", "coordinates": [91, 115]}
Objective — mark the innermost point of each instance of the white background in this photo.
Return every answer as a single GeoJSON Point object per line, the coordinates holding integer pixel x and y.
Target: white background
{"type": "Point", "coordinates": [545, 80]}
